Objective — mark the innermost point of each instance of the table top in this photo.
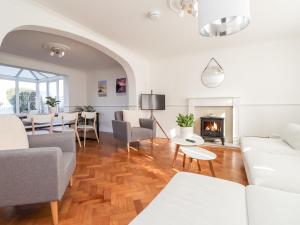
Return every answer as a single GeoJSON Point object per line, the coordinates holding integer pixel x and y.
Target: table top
{"type": "Point", "coordinates": [198, 153]}
{"type": "Point", "coordinates": [181, 141]}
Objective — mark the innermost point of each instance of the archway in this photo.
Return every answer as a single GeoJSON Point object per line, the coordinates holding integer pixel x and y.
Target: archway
{"type": "Point", "coordinates": [132, 94]}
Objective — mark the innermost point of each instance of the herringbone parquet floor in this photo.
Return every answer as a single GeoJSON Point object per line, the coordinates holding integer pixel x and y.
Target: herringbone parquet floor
{"type": "Point", "coordinates": [111, 188]}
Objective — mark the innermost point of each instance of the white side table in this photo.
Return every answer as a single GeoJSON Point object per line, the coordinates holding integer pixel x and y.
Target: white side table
{"type": "Point", "coordinates": [182, 142]}
{"type": "Point", "coordinates": [197, 153]}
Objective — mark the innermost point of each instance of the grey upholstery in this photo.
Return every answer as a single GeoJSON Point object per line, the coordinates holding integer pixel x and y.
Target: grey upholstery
{"type": "Point", "coordinates": [40, 173]}
{"type": "Point", "coordinates": [124, 132]}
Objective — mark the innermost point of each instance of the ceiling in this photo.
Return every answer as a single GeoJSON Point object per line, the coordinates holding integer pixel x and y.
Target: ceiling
{"type": "Point", "coordinates": [126, 22]}
{"type": "Point", "coordinates": [80, 56]}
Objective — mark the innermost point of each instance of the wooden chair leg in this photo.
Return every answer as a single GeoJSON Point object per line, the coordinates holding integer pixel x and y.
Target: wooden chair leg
{"type": "Point", "coordinates": [78, 138]}
{"type": "Point", "coordinates": [54, 212]}
{"type": "Point", "coordinates": [198, 163]}
{"type": "Point", "coordinates": [71, 181]}
{"type": "Point", "coordinates": [84, 137]}
{"type": "Point", "coordinates": [211, 168]}
{"type": "Point", "coordinates": [96, 135]}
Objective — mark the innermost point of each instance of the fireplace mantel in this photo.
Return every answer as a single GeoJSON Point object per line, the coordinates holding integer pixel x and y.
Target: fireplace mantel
{"type": "Point", "coordinates": [233, 102]}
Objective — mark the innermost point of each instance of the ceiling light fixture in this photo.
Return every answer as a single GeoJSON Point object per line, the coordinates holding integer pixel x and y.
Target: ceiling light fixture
{"type": "Point", "coordinates": [215, 17]}
{"type": "Point", "coordinates": [221, 18]}
{"type": "Point", "coordinates": [154, 15]}
{"type": "Point", "coordinates": [56, 49]}
{"type": "Point", "coordinates": [184, 7]}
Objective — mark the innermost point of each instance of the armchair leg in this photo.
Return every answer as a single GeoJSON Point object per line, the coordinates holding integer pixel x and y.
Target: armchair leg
{"type": "Point", "coordinates": [71, 181]}
{"type": "Point", "coordinates": [54, 212]}
{"type": "Point", "coordinates": [128, 148]}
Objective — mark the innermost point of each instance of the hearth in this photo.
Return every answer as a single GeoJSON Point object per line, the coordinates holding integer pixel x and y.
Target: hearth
{"type": "Point", "coordinates": [212, 128]}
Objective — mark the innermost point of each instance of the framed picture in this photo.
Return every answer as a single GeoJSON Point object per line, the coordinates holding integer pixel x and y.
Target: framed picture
{"type": "Point", "coordinates": [121, 85]}
{"type": "Point", "coordinates": [102, 88]}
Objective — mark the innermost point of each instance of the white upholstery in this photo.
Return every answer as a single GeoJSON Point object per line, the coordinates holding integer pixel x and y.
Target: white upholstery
{"type": "Point", "coordinates": [88, 115]}
{"type": "Point", "coordinates": [272, 207]}
{"type": "Point", "coordinates": [291, 135]}
{"type": "Point", "coordinates": [195, 199]}
{"type": "Point", "coordinates": [132, 116]}
{"type": "Point", "coordinates": [42, 118]}
{"type": "Point", "coordinates": [12, 133]}
{"type": "Point", "coordinates": [271, 163]}
{"type": "Point", "coordinates": [68, 116]}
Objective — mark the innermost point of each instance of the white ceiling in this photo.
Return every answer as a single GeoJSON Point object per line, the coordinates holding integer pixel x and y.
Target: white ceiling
{"type": "Point", "coordinates": [80, 56]}
{"type": "Point", "coordinates": [126, 22]}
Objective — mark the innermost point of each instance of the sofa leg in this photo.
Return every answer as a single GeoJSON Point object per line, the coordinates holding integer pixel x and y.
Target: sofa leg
{"type": "Point", "coordinates": [71, 181]}
{"type": "Point", "coordinates": [54, 211]}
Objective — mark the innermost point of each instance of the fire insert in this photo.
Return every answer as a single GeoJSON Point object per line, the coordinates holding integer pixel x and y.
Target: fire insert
{"type": "Point", "coordinates": [212, 128]}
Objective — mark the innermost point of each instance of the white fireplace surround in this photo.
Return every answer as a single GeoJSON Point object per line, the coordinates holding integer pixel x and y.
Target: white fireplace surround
{"type": "Point", "coordinates": [233, 102]}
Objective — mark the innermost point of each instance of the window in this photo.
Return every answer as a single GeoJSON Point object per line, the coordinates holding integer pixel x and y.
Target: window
{"type": "Point", "coordinates": [23, 90]}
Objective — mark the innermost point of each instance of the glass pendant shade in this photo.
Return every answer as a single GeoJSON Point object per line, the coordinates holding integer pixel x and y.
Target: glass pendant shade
{"type": "Point", "coordinates": [221, 18]}
{"type": "Point", "coordinates": [213, 75]}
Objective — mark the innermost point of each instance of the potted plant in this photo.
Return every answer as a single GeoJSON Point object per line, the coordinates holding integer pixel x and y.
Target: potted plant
{"type": "Point", "coordinates": [186, 123]}
{"type": "Point", "coordinates": [52, 104]}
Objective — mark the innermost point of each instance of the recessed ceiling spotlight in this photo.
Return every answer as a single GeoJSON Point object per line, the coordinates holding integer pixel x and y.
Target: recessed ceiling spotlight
{"type": "Point", "coordinates": [154, 14]}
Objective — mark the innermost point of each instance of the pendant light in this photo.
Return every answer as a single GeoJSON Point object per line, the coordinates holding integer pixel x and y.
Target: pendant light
{"type": "Point", "coordinates": [222, 17]}
{"type": "Point", "coordinates": [213, 74]}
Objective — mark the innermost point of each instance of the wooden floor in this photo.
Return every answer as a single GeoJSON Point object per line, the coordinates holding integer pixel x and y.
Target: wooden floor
{"type": "Point", "coordinates": [110, 188]}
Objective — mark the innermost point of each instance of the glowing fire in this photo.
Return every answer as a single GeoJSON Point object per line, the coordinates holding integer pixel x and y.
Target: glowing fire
{"type": "Point", "coordinates": [212, 127]}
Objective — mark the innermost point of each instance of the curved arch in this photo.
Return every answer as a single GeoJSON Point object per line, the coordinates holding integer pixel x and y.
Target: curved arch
{"type": "Point", "coordinates": [124, 63]}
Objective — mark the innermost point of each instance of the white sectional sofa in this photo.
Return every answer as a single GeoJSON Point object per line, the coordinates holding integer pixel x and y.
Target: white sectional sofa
{"type": "Point", "coordinates": [274, 162]}
{"type": "Point", "coordinates": [192, 199]}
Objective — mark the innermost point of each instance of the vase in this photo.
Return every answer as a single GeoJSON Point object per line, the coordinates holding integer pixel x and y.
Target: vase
{"type": "Point", "coordinates": [53, 110]}
{"type": "Point", "coordinates": [186, 132]}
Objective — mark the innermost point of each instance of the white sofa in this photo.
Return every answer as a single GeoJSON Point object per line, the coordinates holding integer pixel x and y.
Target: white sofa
{"type": "Point", "coordinates": [194, 199]}
{"type": "Point", "coordinates": [274, 162]}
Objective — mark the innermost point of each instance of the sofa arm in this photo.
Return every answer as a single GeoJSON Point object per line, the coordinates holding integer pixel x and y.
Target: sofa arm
{"type": "Point", "coordinates": [30, 176]}
{"type": "Point", "coordinates": [122, 130]}
{"type": "Point", "coordinates": [65, 141]}
{"type": "Point", "coordinates": [149, 124]}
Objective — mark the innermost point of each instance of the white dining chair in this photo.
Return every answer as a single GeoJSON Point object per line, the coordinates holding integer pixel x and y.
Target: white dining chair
{"type": "Point", "coordinates": [41, 119]}
{"type": "Point", "coordinates": [87, 127]}
{"type": "Point", "coordinates": [69, 118]}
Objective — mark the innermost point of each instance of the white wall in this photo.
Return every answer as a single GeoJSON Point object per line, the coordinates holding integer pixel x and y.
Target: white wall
{"type": "Point", "coordinates": [112, 102]}
{"type": "Point", "coordinates": [75, 85]}
{"type": "Point", "coordinates": [265, 76]}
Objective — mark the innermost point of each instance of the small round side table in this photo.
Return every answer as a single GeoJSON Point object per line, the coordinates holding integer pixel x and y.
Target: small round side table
{"type": "Point", "coordinates": [182, 142]}
{"type": "Point", "coordinates": [199, 154]}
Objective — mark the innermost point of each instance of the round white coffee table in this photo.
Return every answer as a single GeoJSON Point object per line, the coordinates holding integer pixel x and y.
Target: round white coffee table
{"type": "Point", "coordinates": [198, 140]}
{"type": "Point", "coordinates": [197, 153]}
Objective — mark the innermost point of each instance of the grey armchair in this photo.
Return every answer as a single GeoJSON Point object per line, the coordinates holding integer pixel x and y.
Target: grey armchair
{"type": "Point", "coordinates": [40, 173]}
{"type": "Point", "coordinates": [123, 131]}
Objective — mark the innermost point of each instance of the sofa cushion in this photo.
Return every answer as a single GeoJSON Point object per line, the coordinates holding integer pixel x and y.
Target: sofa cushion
{"type": "Point", "coordinates": [272, 207]}
{"type": "Point", "coordinates": [276, 171]}
{"type": "Point", "coordinates": [132, 116]}
{"type": "Point", "coordinates": [12, 133]}
{"type": "Point", "coordinates": [139, 133]}
{"type": "Point", "coordinates": [196, 199]}
{"type": "Point", "coordinates": [291, 134]}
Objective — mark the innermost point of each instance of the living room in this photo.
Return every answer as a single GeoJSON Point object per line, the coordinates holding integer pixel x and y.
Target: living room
{"type": "Point", "coordinates": [154, 91]}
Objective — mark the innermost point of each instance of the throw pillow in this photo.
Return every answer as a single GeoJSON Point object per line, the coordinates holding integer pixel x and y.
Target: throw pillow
{"type": "Point", "coordinates": [291, 134]}
{"type": "Point", "coordinates": [132, 116]}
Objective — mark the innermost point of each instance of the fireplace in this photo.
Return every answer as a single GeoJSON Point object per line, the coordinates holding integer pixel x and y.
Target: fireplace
{"type": "Point", "coordinates": [212, 128]}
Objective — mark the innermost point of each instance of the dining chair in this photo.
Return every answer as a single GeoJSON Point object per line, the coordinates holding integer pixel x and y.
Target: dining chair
{"type": "Point", "coordinates": [38, 119]}
{"type": "Point", "coordinates": [70, 118]}
{"type": "Point", "coordinates": [88, 116]}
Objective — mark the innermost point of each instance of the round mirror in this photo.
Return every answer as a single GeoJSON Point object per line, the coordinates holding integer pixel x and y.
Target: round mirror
{"type": "Point", "coordinates": [213, 75]}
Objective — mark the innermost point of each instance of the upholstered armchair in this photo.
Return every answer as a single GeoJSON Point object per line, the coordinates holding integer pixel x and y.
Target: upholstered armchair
{"type": "Point", "coordinates": [126, 133]}
{"type": "Point", "coordinates": [34, 168]}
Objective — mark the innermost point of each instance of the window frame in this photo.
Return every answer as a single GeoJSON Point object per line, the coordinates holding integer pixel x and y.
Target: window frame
{"type": "Point", "coordinates": [47, 80]}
